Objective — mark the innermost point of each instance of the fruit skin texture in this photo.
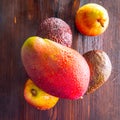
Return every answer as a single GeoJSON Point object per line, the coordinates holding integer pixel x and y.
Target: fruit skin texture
{"type": "Point", "coordinates": [57, 30]}
{"type": "Point", "coordinates": [37, 97]}
{"type": "Point", "coordinates": [100, 69]}
{"type": "Point", "coordinates": [57, 69]}
{"type": "Point", "coordinates": [91, 19]}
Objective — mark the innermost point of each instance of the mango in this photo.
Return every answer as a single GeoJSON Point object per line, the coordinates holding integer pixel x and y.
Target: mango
{"type": "Point", "coordinates": [58, 70]}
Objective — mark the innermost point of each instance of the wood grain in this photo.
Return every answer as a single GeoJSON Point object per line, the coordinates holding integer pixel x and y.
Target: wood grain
{"type": "Point", "coordinates": [19, 19]}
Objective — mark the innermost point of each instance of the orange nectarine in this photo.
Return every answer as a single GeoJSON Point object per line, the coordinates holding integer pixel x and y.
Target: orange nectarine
{"type": "Point", "coordinates": [92, 19]}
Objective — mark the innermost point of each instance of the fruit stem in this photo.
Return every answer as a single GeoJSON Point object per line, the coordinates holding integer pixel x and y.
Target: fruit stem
{"type": "Point", "coordinates": [34, 92]}
{"type": "Point", "coordinates": [101, 22]}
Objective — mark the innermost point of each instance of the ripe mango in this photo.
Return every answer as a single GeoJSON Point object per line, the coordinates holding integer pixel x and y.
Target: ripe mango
{"type": "Point", "coordinates": [57, 69]}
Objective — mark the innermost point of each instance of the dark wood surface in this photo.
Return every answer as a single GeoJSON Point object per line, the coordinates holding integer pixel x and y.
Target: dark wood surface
{"type": "Point", "coordinates": [19, 19]}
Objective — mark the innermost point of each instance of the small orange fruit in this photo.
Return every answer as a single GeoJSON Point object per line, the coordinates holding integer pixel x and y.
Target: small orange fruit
{"type": "Point", "coordinates": [37, 97]}
{"type": "Point", "coordinates": [92, 19]}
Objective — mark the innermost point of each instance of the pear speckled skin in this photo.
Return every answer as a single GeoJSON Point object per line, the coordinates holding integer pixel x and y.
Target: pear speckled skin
{"type": "Point", "coordinates": [57, 69]}
{"type": "Point", "coordinates": [100, 69]}
{"type": "Point", "coordinates": [57, 30]}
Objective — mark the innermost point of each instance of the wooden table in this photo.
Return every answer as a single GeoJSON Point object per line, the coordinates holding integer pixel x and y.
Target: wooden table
{"type": "Point", "coordinates": [19, 19]}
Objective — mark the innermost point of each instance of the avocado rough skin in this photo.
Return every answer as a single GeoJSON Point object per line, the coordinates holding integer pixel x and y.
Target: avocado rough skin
{"type": "Point", "coordinates": [57, 69]}
{"type": "Point", "coordinates": [57, 30]}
